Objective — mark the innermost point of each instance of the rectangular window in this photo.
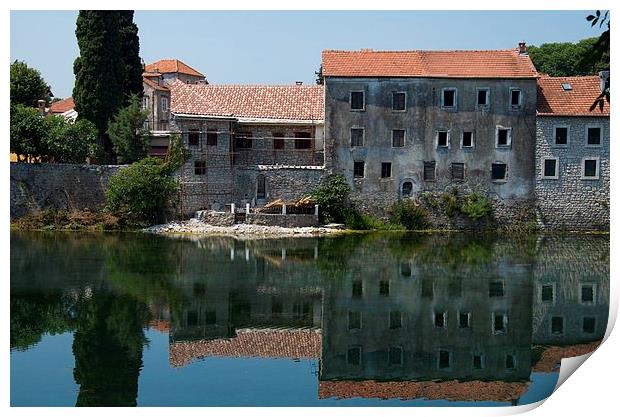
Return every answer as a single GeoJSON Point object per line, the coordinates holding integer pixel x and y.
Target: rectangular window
{"type": "Point", "coordinates": [464, 320]}
{"type": "Point", "coordinates": [278, 140]}
{"type": "Point", "coordinates": [260, 186]}
{"type": "Point", "coordinates": [557, 325]}
{"type": "Point", "coordinates": [561, 135]}
{"type": "Point", "coordinates": [589, 325]}
{"type": "Point", "coordinates": [550, 168]}
{"type": "Point", "coordinates": [354, 355]}
{"type": "Point", "coordinates": [478, 363]}
{"type": "Point", "coordinates": [193, 137]}
{"type": "Point", "coordinates": [358, 169]}
{"type": "Point", "coordinates": [546, 293]}
{"type": "Point", "coordinates": [443, 140]}
{"type": "Point", "coordinates": [458, 171]}
{"type": "Point", "coordinates": [444, 359]}
{"type": "Point", "coordinates": [510, 362]}
{"type": "Point", "coordinates": [243, 140]}
{"type": "Point", "coordinates": [200, 167]}
{"type": "Point", "coordinates": [448, 98]}
{"type": "Point", "coordinates": [356, 289]}
{"type": "Point", "coordinates": [503, 137]}
{"type": "Point", "coordinates": [496, 289]}
{"type": "Point", "coordinates": [399, 101]}
{"type": "Point", "coordinates": [303, 140]}
{"type": "Point", "coordinates": [594, 136]}
{"type": "Point", "coordinates": [587, 293]}
{"type": "Point", "coordinates": [386, 169]}
{"type": "Point", "coordinates": [590, 169]}
{"type": "Point", "coordinates": [145, 102]}
{"type": "Point", "coordinates": [440, 319]}
{"type": "Point", "coordinates": [355, 320]}
{"type": "Point", "coordinates": [396, 355]}
{"type": "Point", "coordinates": [164, 104]}
{"type": "Point", "coordinates": [498, 172]}
{"type": "Point", "coordinates": [396, 319]}
{"type": "Point", "coordinates": [429, 170]}
{"type": "Point", "coordinates": [384, 288]}
{"type": "Point", "coordinates": [398, 138]}
{"type": "Point", "coordinates": [357, 136]}
{"type": "Point", "coordinates": [483, 97]}
{"type": "Point", "coordinates": [357, 100]}
{"type": "Point", "coordinates": [467, 140]}
{"type": "Point", "coordinates": [515, 98]}
{"type": "Point", "coordinates": [211, 138]}
{"type": "Point", "coordinates": [499, 323]}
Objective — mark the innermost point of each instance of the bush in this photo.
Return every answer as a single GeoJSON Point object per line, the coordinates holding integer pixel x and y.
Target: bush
{"type": "Point", "coordinates": [71, 142]}
{"type": "Point", "coordinates": [450, 202]}
{"type": "Point", "coordinates": [332, 196]}
{"type": "Point", "coordinates": [477, 206]}
{"type": "Point", "coordinates": [409, 214]}
{"type": "Point", "coordinates": [131, 140]}
{"type": "Point", "coordinates": [141, 190]}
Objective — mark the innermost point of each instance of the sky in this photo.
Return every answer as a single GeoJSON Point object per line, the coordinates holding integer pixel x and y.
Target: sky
{"type": "Point", "coordinates": [281, 47]}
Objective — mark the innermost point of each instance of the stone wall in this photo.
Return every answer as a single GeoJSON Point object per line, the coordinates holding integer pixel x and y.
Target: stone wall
{"type": "Point", "coordinates": [216, 218]}
{"type": "Point", "coordinates": [282, 220]}
{"type": "Point", "coordinates": [58, 187]}
{"type": "Point", "coordinates": [570, 201]}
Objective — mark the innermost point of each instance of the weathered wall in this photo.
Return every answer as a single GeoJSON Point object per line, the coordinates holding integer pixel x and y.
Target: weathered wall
{"type": "Point", "coordinates": [58, 186]}
{"type": "Point", "coordinates": [216, 218]}
{"type": "Point", "coordinates": [283, 220]}
{"type": "Point", "coordinates": [571, 202]}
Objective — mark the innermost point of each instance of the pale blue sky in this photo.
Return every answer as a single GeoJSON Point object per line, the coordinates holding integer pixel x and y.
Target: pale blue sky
{"type": "Point", "coordinates": [268, 47]}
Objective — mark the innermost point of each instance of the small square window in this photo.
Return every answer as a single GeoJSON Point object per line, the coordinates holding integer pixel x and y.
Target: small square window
{"type": "Point", "coordinates": [396, 319]}
{"type": "Point", "coordinates": [243, 140]}
{"type": "Point", "coordinates": [498, 172]}
{"type": "Point", "coordinates": [429, 170]}
{"type": "Point", "coordinates": [449, 98]}
{"type": "Point", "coordinates": [515, 98]}
{"type": "Point", "coordinates": [355, 320]}
{"type": "Point", "coordinates": [442, 139]}
{"type": "Point", "coordinates": [478, 362]}
{"type": "Point", "coordinates": [590, 168]}
{"type": "Point", "coordinates": [164, 104]}
{"type": "Point", "coordinates": [496, 289]}
{"type": "Point", "coordinates": [211, 138]}
{"type": "Point", "coordinates": [396, 355]}
{"type": "Point", "coordinates": [398, 138]}
{"type": "Point", "coordinates": [384, 288]}
{"type": "Point", "coordinates": [464, 320]}
{"type": "Point", "coordinates": [354, 355]}
{"type": "Point", "coordinates": [358, 169]}
{"type": "Point", "coordinates": [550, 168]}
{"type": "Point", "coordinates": [458, 171]}
{"type": "Point", "coordinates": [357, 100]}
{"type": "Point", "coordinates": [200, 167]}
{"type": "Point", "coordinates": [303, 140]}
{"type": "Point", "coordinates": [561, 136]}
{"type": "Point", "coordinates": [440, 319]}
{"type": "Point", "coordinates": [546, 293]}
{"type": "Point", "coordinates": [587, 293]}
{"type": "Point", "coordinates": [557, 325]}
{"type": "Point", "coordinates": [594, 136]}
{"type": "Point", "coordinates": [386, 170]}
{"type": "Point", "coordinates": [468, 140]}
{"type": "Point", "coordinates": [589, 325]}
{"type": "Point", "coordinates": [357, 136]}
{"type": "Point", "coordinates": [278, 140]}
{"type": "Point", "coordinates": [483, 98]}
{"type": "Point", "coordinates": [503, 137]}
{"type": "Point", "coordinates": [444, 359]}
{"type": "Point", "coordinates": [510, 362]}
{"type": "Point", "coordinates": [399, 101]}
{"type": "Point", "coordinates": [193, 138]}
{"type": "Point", "coordinates": [356, 289]}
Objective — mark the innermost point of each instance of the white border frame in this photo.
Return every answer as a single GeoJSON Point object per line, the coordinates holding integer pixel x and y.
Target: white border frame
{"type": "Point", "coordinates": [508, 137]}
{"type": "Point", "coordinates": [598, 168]}
{"type": "Point", "coordinates": [456, 99]}
{"type": "Point", "coordinates": [593, 126]}
{"type": "Point", "coordinates": [553, 141]}
{"type": "Point", "coordinates": [486, 106]}
{"type": "Point", "coordinates": [363, 100]}
{"type": "Point", "coordinates": [519, 106]}
{"type": "Point", "coordinates": [473, 139]}
{"type": "Point", "coordinates": [437, 131]}
{"type": "Point", "coordinates": [556, 175]}
{"type": "Point", "coordinates": [403, 110]}
{"type": "Point", "coordinates": [363, 129]}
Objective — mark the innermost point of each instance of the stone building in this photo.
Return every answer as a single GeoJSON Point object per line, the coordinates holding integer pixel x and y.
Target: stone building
{"type": "Point", "coordinates": [572, 154]}
{"type": "Point", "coordinates": [399, 123]}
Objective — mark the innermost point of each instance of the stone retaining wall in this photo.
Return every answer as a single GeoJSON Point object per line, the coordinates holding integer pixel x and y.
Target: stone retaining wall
{"type": "Point", "coordinates": [283, 220]}
{"type": "Point", "coordinates": [216, 218]}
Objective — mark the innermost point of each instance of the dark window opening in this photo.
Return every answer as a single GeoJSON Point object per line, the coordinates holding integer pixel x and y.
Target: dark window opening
{"type": "Point", "coordinates": [398, 101]}
{"type": "Point", "coordinates": [498, 171]}
{"type": "Point", "coordinates": [546, 293]}
{"type": "Point", "coordinates": [477, 361]}
{"type": "Point", "coordinates": [398, 138]}
{"type": "Point", "coordinates": [448, 98]}
{"type": "Point", "coordinates": [589, 324]}
{"type": "Point", "coordinates": [200, 167]}
{"type": "Point", "coordinates": [561, 135]}
{"type": "Point", "coordinates": [510, 362]}
{"type": "Point", "coordinates": [357, 100]}
{"type": "Point", "coordinates": [587, 294]}
{"type": "Point", "coordinates": [444, 359]}
{"type": "Point", "coordinates": [358, 169]}
{"type": "Point", "coordinates": [557, 325]}
{"type": "Point", "coordinates": [440, 319]}
{"type": "Point", "coordinates": [468, 139]}
{"type": "Point", "coordinates": [210, 317]}
{"type": "Point", "coordinates": [502, 137]}
{"type": "Point", "coordinates": [384, 288]}
{"type": "Point", "coordinates": [303, 140]}
{"type": "Point", "coordinates": [396, 320]}
{"type": "Point", "coordinates": [499, 324]}
{"type": "Point", "coordinates": [386, 169]}
{"type": "Point", "coordinates": [357, 137]}
{"type": "Point", "coordinates": [589, 168]}
{"type": "Point", "coordinates": [464, 320]}
{"type": "Point", "coordinates": [211, 138]}
{"type": "Point", "coordinates": [278, 140]}
{"type": "Point", "coordinates": [496, 289]}
{"type": "Point", "coordinates": [396, 355]}
{"type": "Point", "coordinates": [442, 139]}
{"type": "Point", "coordinates": [594, 136]}
{"type": "Point", "coordinates": [515, 98]}
{"type": "Point", "coordinates": [429, 170]}
{"type": "Point", "coordinates": [355, 320]}
{"type": "Point", "coordinates": [260, 186]}
{"type": "Point", "coordinates": [407, 189]}
{"type": "Point", "coordinates": [193, 138]}
{"type": "Point", "coordinates": [243, 140]}
{"type": "Point", "coordinates": [483, 97]}
{"type": "Point", "coordinates": [550, 168]}
{"type": "Point", "coordinates": [357, 289]}
{"type": "Point", "coordinates": [405, 269]}
{"type": "Point", "coordinates": [354, 356]}
{"type": "Point", "coordinates": [192, 318]}
{"type": "Point", "coordinates": [458, 171]}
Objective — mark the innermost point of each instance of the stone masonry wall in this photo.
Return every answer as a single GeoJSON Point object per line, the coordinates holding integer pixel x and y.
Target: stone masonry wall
{"type": "Point", "coordinates": [58, 187]}
{"type": "Point", "coordinates": [282, 220]}
{"type": "Point", "coordinates": [571, 202]}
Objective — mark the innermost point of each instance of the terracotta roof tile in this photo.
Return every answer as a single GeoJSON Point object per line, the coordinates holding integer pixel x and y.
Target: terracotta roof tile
{"type": "Point", "coordinates": [437, 64]}
{"type": "Point", "coordinates": [154, 85]}
{"type": "Point", "coordinates": [62, 106]}
{"type": "Point", "coordinates": [553, 100]}
{"type": "Point", "coordinates": [289, 102]}
{"type": "Point", "coordinates": [166, 66]}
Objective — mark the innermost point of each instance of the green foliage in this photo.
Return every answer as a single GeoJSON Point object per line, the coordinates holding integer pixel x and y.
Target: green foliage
{"type": "Point", "coordinates": [130, 55]}
{"type": "Point", "coordinates": [177, 154]}
{"type": "Point", "coordinates": [71, 142]}
{"type": "Point", "coordinates": [332, 196]}
{"type": "Point", "coordinates": [450, 203]}
{"type": "Point", "coordinates": [131, 140]}
{"type": "Point", "coordinates": [140, 190]}
{"type": "Point", "coordinates": [409, 214]}
{"type": "Point", "coordinates": [27, 85]}
{"type": "Point", "coordinates": [28, 132]}
{"type": "Point", "coordinates": [567, 59]}
{"type": "Point", "coordinates": [477, 206]}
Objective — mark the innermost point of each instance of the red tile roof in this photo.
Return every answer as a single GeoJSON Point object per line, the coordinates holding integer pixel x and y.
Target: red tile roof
{"type": "Point", "coordinates": [553, 100]}
{"type": "Point", "coordinates": [154, 85]}
{"type": "Point", "coordinates": [433, 390]}
{"type": "Point", "coordinates": [436, 64]}
{"type": "Point", "coordinates": [264, 343]}
{"type": "Point", "coordinates": [166, 66]}
{"type": "Point", "coordinates": [62, 106]}
{"type": "Point", "coordinates": [289, 102]}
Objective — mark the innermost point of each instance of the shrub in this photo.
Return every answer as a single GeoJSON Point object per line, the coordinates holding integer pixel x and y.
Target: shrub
{"type": "Point", "coordinates": [477, 206]}
{"type": "Point", "coordinates": [409, 214]}
{"type": "Point", "coordinates": [450, 202]}
{"type": "Point", "coordinates": [141, 190]}
{"type": "Point", "coordinates": [332, 196]}
{"type": "Point", "coordinates": [131, 140]}
{"type": "Point", "coordinates": [71, 142]}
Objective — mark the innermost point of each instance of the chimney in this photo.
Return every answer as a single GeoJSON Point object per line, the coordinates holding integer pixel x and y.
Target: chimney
{"type": "Point", "coordinates": [522, 48]}
{"type": "Point", "coordinates": [41, 106]}
{"type": "Point", "coordinates": [604, 77]}
{"type": "Point", "coordinates": [299, 82]}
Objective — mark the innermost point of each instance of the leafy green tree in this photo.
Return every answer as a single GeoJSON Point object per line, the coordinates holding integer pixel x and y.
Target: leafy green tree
{"type": "Point", "coordinates": [130, 55]}
{"type": "Point", "coordinates": [332, 196]}
{"type": "Point", "coordinates": [600, 51]}
{"type": "Point", "coordinates": [131, 140]}
{"type": "Point", "coordinates": [71, 142]}
{"type": "Point", "coordinates": [27, 85]}
{"type": "Point", "coordinates": [567, 59]}
{"type": "Point", "coordinates": [28, 132]}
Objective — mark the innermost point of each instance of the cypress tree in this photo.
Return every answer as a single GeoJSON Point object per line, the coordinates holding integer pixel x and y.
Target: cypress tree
{"type": "Point", "coordinates": [130, 55]}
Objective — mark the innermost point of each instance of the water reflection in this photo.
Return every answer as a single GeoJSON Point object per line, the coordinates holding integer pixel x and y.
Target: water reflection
{"type": "Point", "coordinates": [388, 316]}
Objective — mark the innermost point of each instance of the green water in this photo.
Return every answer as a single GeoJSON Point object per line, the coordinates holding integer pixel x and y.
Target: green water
{"type": "Point", "coordinates": [382, 319]}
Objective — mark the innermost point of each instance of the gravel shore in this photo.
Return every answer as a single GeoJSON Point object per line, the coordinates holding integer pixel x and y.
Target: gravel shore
{"type": "Point", "coordinates": [195, 226]}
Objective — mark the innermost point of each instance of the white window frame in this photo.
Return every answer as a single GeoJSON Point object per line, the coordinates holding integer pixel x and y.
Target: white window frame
{"type": "Point", "coordinates": [164, 100]}
{"type": "Point", "coordinates": [445, 319]}
{"type": "Point", "coordinates": [540, 288]}
{"type": "Point", "coordinates": [592, 126]}
{"type": "Point", "coordinates": [456, 98]}
{"type": "Point", "coordinates": [557, 169]}
{"type": "Point", "coordinates": [473, 139]}
{"type": "Point", "coordinates": [556, 145]}
{"type": "Point", "coordinates": [363, 137]}
{"type": "Point", "coordinates": [594, 291]}
{"type": "Point", "coordinates": [488, 104]}
{"type": "Point", "coordinates": [399, 92]}
{"type": "Point", "coordinates": [363, 100]}
{"type": "Point", "coordinates": [508, 138]}
{"type": "Point", "coordinates": [447, 138]}
{"type": "Point", "coordinates": [468, 319]}
{"type": "Point", "coordinates": [404, 139]}
{"type": "Point", "coordinates": [515, 106]}
{"type": "Point", "coordinates": [598, 168]}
